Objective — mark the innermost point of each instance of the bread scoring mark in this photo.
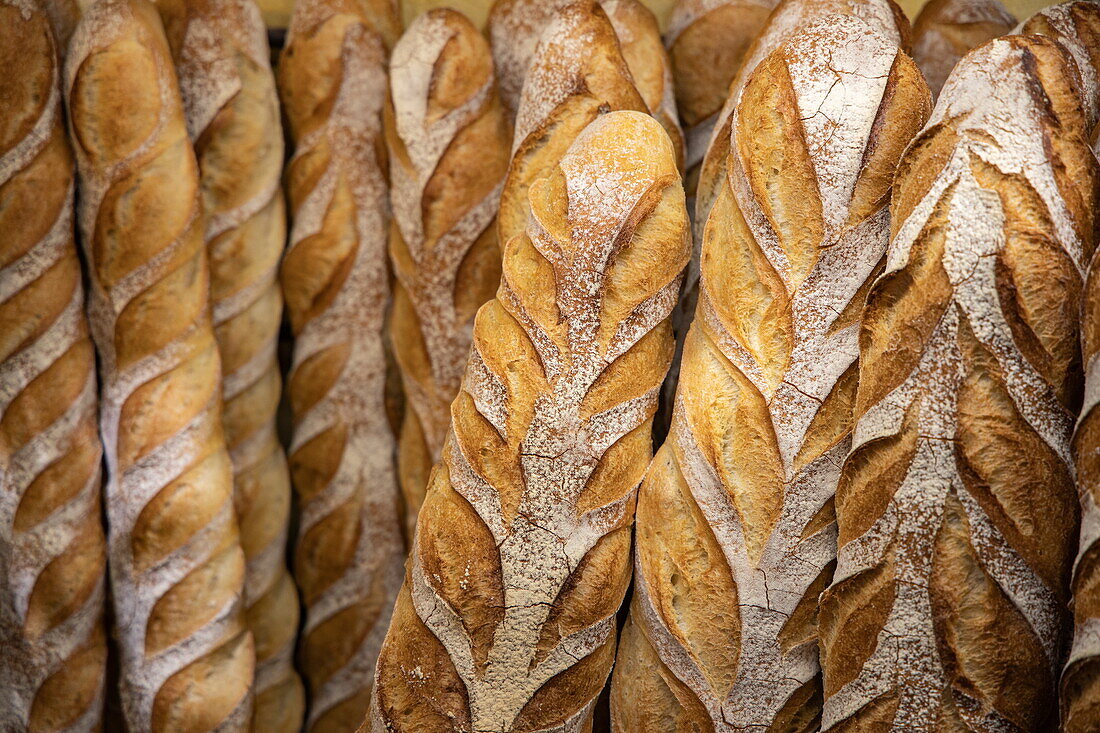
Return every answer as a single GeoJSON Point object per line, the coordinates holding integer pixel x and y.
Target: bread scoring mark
{"type": "Point", "coordinates": [993, 107]}
{"type": "Point", "coordinates": [353, 321]}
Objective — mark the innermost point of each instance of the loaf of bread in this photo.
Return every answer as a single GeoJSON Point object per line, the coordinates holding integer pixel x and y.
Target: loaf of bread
{"type": "Point", "coordinates": [52, 550]}
{"type": "Point", "coordinates": [177, 569]}
{"type": "Point", "coordinates": [735, 530]}
{"type": "Point", "coordinates": [516, 27]}
{"type": "Point", "coordinates": [957, 511]}
{"type": "Point", "coordinates": [578, 73]}
{"type": "Point", "coordinates": [1076, 26]}
{"type": "Point", "coordinates": [63, 16]}
{"type": "Point", "coordinates": [449, 141]}
{"type": "Point", "coordinates": [332, 80]}
{"type": "Point", "coordinates": [787, 19]}
{"type": "Point", "coordinates": [946, 29]}
{"type": "Point", "coordinates": [522, 551]}
{"type": "Point", "coordinates": [223, 63]}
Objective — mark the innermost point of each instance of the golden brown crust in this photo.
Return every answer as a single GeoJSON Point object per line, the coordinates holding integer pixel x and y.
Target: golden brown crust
{"type": "Point", "coordinates": [52, 549]}
{"type": "Point", "coordinates": [735, 533]}
{"type": "Point", "coordinates": [787, 19]}
{"type": "Point", "coordinates": [177, 569]}
{"type": "Point", "coordinates": [578, 73]}
{"type": "Point", "coordinates": [522, 549]}
{"type": "Point", "coordinates": [223, 63]}
{"type": "Point", "coordinates": [448, 139]}
{"type": "Point", "coordinates": [946, 29]}
{"type": "Point", "coordinates": [516, 28]}
{"type": "Point", "coordinates": [332, 82]}
{"type": "Point", "coordinates": [957, 512]}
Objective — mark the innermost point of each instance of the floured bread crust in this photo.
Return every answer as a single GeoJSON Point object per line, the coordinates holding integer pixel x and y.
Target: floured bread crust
{"type": "Point", "coordinates": [522, 553]}
{"type": "Point", "coordinates": [736, 535]}
{"type": "Point", "coordinates": [177, 569]}
{"type": "Point", "coordinates": [52, 550]}
{"type": "Point", "coordinates": [957, 511]}
{"type": "Point", "coordinates": [449, 143]}
{"type": "Point", "coordinates": [332, 81]}
{"type": "Point", "coordinates": [232, 110]}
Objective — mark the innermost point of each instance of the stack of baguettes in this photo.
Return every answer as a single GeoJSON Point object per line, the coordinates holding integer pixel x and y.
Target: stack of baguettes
{"type": "Point", "coordinates": [876, 508]}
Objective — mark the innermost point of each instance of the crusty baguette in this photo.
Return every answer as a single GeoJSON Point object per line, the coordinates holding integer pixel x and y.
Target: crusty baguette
{"type": "Point", "coordinates": [516, 27]}
{"type": "Point", "coordinates": [177, 569]}
{"type": "Point", "coordinates": [449, 141]}
{"type": "Point", "coordinates": [332, 80]}
{"type": "Point", "coordinates": [578, 72]}
{"type": "Point", "coordinates": [788, 18]}
{"type": "Point", "coordinates": [957, 511]}
{"type": "Point", "coordinates": [735, 530]}
{"type": "Point", "coordinates": [52, 551]}
{"type": "Point", "coordinates": [522, 551]}
{"type": "Point", "coordinates": [223, 63]}
{"type": "Point", "coordinates": [946, 29]}
{"type": "Point", "coordinates": [707, 40]}
{"type": "Point", "coordinates": [1076, 26]}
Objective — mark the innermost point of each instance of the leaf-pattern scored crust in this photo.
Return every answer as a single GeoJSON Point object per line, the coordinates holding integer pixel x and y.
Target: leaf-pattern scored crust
{"type": "Point", "coordinates": [511, 626]}
{"type": "Point", "coordinates": [786, 20]}
{"type": "Point", "coordinates": [1076, 26]}
{"type": "Point", "coordinates": [332, 80]}
{"type": "Point", "coordinates": [232, 111]}
{"type": "Point", "coordinates": [52, 549]}
{"type": "Point", "coordinates": [517, 27]}
{"type": "Point", "coordinates": [177, 569]}
{"type": "Point", "coordinates": [956, 510]}
{"type": "Point", "coordinates": [763, 411]}
{"type": "Point", "coordinates": [449, 141]}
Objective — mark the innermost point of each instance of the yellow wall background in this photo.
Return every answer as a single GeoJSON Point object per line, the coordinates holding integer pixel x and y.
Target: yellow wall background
{"type": "Point", "coordinates": [276, 12]}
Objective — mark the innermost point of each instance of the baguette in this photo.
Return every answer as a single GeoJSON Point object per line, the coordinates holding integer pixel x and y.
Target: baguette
{"type": "Point", "coordinates": [522, 551]}
{"type": "Point", "coordinates": [177, 569]}
{"type": "Point", "coordinates": [578, 73]}
{"type": "Point", "coordinates": [332, 80]}
{"type": "Point", "coordinates": [448, 142]}
{"type": "Point", "coordinates": [787, 19]}
{"type": "Point", "coordinates": [735, 534]}
{"type": "Point", "coordinates": [1076, 26]}
{"type": "Point", "coordinates": [957, 512]}
{"type": "Point", "coordinates": [232, 111]}
{"type": "Point", "coordinates": [946, 29]}
{"type": "Point", "coordinates": [516, 27]}
{"type": "Point", "coordinates": [52, 549]}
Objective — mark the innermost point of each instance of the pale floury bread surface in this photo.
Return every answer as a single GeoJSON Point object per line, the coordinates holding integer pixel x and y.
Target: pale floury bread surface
{"type": "Point", "coordinates": [332, 81]}
{"type": "Point", "coordinates": [449, 142]}
{"type": "Point", "coordinates": [517, 26]}
{"type": "Point", "coordinates": [946, 29]}
{"type": "Point", "coordinates": [787, 19]}
{"type": "Point", "coordinates": [735, 530]}
{"type": "Point", "coordinates": [177, 569]}
{"type": "Point", "coordinates": [232, 111]}
{"type": "Point", "coordinates": [578, 72]}
{"type": "Point", "coordinates": [957, 511]}
{"type": "Point", "coordinates": [522, 552]}
{"type": "Point", "coordinates": [52, 549]}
